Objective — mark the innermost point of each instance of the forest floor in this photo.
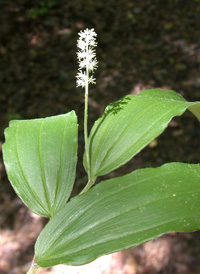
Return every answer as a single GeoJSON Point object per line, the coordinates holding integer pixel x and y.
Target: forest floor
{"type": "Point", "coordinates": [141, 44]}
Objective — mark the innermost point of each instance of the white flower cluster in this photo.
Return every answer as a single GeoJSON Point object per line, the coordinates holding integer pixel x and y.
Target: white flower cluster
{"type": "Point", "coordinates": [86, 57]}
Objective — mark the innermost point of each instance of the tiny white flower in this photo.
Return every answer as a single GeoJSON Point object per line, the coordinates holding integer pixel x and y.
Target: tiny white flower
{"type": "Point", "coordinates": [92, 80]}
{"type": "Point", "coordinates": [81, 44]}
{"type": "Point", "coordinates": [81, 55]}
{"type": "Point", "coordinates": [81, 79]}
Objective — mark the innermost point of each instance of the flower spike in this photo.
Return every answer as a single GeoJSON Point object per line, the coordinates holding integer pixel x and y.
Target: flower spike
{"type": "Point", "coordinates": [86, 57]}
{"type": "Point", "coordinates": [87, 61]}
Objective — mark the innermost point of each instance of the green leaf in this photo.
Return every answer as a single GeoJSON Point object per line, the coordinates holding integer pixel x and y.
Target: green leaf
{"type": "Point", "coordinates": [121, 213]}
{"type": "Point", "coordinates": [130, 124]}
{"type": "Point", "coordinates": [40, 156]}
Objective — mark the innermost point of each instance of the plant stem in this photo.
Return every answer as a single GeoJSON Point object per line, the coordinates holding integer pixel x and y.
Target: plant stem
{"type": "Point", "coordinates": [88, 186]}
{"type": "Point", "coordinates": [86, 132]}
{"type": "Point", "coordinates": [86, 120]}
{"type": "Point", "coordinates": [33, 267]}
{"type": "Point", "coordinates": [90, 180]}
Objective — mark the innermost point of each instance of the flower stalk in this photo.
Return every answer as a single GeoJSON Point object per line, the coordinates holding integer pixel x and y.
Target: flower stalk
{"type": "Point", "coordinates": [33, 267]}
{"type": "Point", "coordinates": [87, 64]}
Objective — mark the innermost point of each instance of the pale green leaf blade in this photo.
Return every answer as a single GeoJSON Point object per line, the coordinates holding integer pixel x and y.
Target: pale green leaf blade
{"type": "Point", "coordinates": [130, 124]}
{"type": "Point", "coordinates": [121, 213]}
{"type": "Point", "coordinates": [40, 157]}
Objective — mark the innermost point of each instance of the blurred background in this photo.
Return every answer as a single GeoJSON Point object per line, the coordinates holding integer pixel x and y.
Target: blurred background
{"type": "Point", "coordinates": [141, 44]}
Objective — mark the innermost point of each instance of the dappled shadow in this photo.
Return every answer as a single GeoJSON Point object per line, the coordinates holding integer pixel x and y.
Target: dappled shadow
{"type": "Point", "coordinates": [117, 106]}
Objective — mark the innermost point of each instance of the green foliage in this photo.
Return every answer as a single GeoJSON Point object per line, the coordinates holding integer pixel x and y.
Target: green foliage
{"type": "Point", "coordinates": [40, 156]}
{"type": "Point", "coordinates": [42, 9]}
{"type": "Point", "coordinates": [121, 213]}
{"type": "Point", "coordinates": [130, 124]}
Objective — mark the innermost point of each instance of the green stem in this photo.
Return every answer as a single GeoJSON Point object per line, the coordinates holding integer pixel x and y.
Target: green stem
{"type": "Point", "coordinates": [33, 267]}
{"type": "Point", "coordinates": [86, 133]}
{"type": "Point", "coordinates": [88, 186]}
{"type": "Point", "coordinates": [86, 120]}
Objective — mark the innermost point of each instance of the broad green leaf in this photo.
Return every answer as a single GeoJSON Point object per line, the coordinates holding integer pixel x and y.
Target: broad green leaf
{"type": "Point", "coordinates": [121, 213]}
{"type": "Point", "coordinates": [130, 124]}
{"type": "Point", "coordinates": [40, 156]}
